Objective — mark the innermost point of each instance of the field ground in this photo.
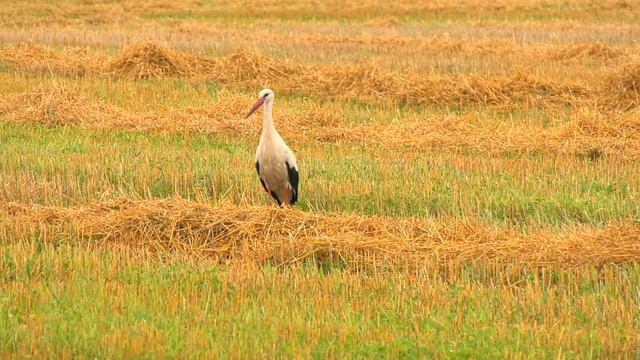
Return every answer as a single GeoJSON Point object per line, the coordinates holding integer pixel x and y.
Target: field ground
{"type": "Point", "coordinates": [470, 179]}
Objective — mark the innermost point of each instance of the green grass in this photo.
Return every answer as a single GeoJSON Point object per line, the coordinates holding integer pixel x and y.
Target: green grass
{"type": "Point", "coordinates": [66, 300]}
{"type": "Point", "coordinates": [66, 166]}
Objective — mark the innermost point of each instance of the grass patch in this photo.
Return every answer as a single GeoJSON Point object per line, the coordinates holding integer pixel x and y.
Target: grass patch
{"type": "Point", "coordinates": [108, 303]}
{"type": "Point", "coordinates": [67, 166]}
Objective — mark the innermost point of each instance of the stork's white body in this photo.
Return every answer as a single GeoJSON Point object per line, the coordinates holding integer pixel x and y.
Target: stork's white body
{"type": "Point", "coordinates": [275, 162]}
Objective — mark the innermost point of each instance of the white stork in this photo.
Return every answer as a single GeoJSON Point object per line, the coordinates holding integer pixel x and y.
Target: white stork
{"type": "Point", "coordinates": [275, 162]}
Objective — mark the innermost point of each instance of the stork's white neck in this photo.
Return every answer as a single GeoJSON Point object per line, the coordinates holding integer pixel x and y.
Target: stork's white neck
{"type": "Point", "coordinates": [268, 128]}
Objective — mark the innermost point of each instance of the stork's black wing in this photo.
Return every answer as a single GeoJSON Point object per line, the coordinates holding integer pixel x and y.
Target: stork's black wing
{"type": "Point", "coordinates": [293, 180]}
{"type": "Point", "coordinates": [273, 194]}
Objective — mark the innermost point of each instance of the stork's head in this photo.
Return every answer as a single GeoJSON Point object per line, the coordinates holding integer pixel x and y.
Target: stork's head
{"type": "Point", "coordinates": [265, 96]}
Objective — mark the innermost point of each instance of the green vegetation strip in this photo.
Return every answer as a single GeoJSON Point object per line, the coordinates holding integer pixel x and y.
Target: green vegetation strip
{"type": "Point", "coordinates": [72, 301]}
{"type": "Point", "coordinates": [68, 166]}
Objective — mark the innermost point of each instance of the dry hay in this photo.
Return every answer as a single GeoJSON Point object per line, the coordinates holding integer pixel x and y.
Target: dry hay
{"type": "Point", "coordinates": [384, 21]}
{"type": "Point", "coordinates": [588, 50]}
{"type": "Point", "coordinates": [459, 46]}
{"type": "Point", "coordinates": [601, 125]}
{"type": "Point", "coordinates": [370, 82]}
{"type": "Point", "coordinates": [245, 65]}
{"type": "Point", "coordinates": [519, 89]}
{"type": "Point", "coordinates": [588, 132]}
{"type": "Point", "coordinates": [59, 106]}
{"type": "Point", "coordinates": [152, 60]}
{"type": "Point", "coordinates": [76, 61]}
{"type": "Point", "coordinates": [226, 116]}
{"type": "Point", "coordinates": [194, 36]}
{"type": "Point", "coordinates": [423, 45]}
{"type": "Point", "coordinates": [593, 134]}
{"type": "Point", "coordinates": [233, 234]}
{"type": "Point", "coordinates": [622, 87]}
{"type": "Point", "coordinates": [375, 83]}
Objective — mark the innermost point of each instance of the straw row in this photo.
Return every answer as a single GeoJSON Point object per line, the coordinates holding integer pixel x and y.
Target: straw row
{"type": "Point", "coordinates": [446, 45]}
{"type": "Point", "coordinates": [194, 36]}
{"type": "Point", "coordinates": [249, 69]}
{"type": "Point", "coordinates": [588, 133]}
{"type": "Point", "coordinates": [232, 234]}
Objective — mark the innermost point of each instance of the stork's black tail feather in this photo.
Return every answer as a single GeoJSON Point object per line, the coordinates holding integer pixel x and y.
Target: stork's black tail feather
{"type": "Point", "coordinates": [293, 180]}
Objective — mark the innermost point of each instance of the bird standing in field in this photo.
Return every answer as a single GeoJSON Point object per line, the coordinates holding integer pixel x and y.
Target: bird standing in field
{"type": "Point", "coordinates": [275, 162]}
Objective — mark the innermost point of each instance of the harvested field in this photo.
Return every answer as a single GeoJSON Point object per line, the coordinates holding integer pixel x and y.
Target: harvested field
{"type": "Point", "coordinates": [194, 37]}
{"type": "Point", "coordinates": [134, 12]}
{"type": "Point", "coordinates": [247, 68]}
{"type": "Point", "coordinates": [587, 131]}
{"type": "Point", "coordinates": [622, 89]}
{"type": "Point", "coordinates": [151, 60]}
{"type": "Point", "coordinates": [58, 106]}
{"type": "Point", "coordinates": [232, 234]}
{"type": "Point", "coordinates": [252, 69]}
{"type": "Point", "coordinates": [469, 180]}
{"type": "Point", "coordinates": [75, 62]}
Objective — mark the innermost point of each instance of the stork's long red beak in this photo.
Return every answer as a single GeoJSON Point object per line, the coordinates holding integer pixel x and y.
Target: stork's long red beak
{"type": "Point", "coordinates": [255, 107]}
